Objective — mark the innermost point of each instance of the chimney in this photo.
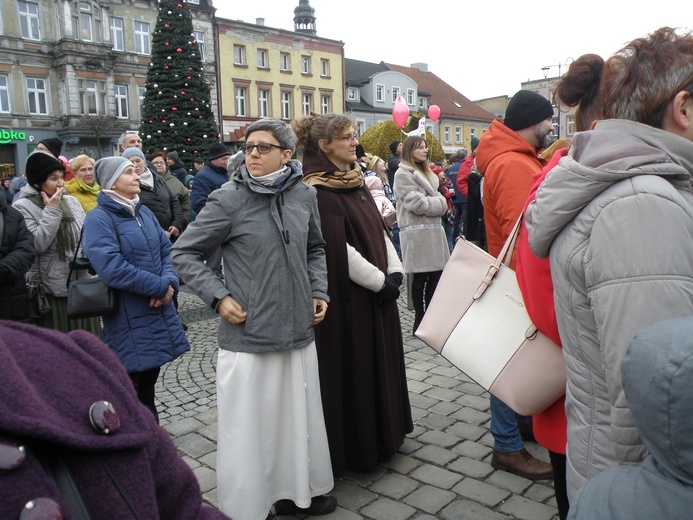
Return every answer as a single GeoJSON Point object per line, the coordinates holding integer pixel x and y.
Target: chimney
{"type": "Point", "coordinates": [260, 21]}
{"type": "Point", "coordinates": [423, 67]}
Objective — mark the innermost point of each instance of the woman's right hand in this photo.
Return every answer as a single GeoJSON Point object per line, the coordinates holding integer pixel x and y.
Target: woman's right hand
{"type": "Point", "coordinates": [53, 201]}
{"type": "Point", "coordinates": [230, 310]}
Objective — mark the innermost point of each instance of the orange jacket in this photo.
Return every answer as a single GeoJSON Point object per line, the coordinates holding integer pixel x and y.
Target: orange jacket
{"type": "Point", "coordinates": [508, 163]}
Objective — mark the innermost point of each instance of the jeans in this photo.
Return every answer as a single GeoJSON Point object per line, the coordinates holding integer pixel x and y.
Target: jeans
{"type": "Point", "coordinates": [506, 436]}
{"type": "Point", "coordinates": [458, 223]}
{"type": "Point", "coordinates": [448, 227]}
{"type": "Point", "coordinates": [395, 240]}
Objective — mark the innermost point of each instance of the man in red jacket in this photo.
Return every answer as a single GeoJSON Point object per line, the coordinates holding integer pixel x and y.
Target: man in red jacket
{"type": "Point", "coordinates": [507, 158]}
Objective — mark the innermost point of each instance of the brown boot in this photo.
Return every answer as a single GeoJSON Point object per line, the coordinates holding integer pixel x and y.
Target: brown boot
{"type": "Point", "coordinates": [522, 463]}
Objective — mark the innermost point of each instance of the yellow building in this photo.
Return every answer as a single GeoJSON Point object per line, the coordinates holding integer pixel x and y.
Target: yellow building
{"type": "Point", "coordinates": [268, 72]}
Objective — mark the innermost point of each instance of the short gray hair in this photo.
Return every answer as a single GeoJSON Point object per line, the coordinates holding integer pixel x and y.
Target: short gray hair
{"type": "Point", "coordinates": [281, 131]}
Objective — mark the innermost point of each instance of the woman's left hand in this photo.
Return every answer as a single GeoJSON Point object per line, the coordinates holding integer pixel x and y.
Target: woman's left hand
{"type": "Point", "coordinates": [319, 310]}
{"type": "Point", "coordinates": [158, 302]}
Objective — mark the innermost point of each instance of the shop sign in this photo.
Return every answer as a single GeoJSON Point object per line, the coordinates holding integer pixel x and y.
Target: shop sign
{"type": "Point", "coordinates": [8, 135]}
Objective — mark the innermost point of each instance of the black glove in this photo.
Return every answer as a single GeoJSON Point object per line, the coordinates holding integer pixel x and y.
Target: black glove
{"type": "Point", "coordinates": [390, 291]}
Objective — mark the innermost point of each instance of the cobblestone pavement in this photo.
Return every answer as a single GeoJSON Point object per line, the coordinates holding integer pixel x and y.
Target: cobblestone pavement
{"type": "Point", "coordinates": [442, 471]}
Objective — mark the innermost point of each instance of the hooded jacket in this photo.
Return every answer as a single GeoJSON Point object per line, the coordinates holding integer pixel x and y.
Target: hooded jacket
{"type": "Point", "coordinates": [16, 257]}
{"type": "Point", "coordinates": [178, 168]}
{"type": "Point", "coordinates": [131, 254]}
{"type": "Point", "coordinates": [208, 179]}
{"type": "Point", "coordinates": [274, 260]}
{"type": "Point", "coordinates": [48, 383]}
{"type": "Point", "coordinates": [508, 163]}
{"type": "Point", "coordinates": [616, 215]}
{"type": "Point", "coordinates": [657, 373]}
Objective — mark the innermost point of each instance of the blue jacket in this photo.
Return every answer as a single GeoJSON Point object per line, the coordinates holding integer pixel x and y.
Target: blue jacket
{"type": "Point", "coordinates": [208, 179]}
{"type": "Point", "coordinates": [136, 261]}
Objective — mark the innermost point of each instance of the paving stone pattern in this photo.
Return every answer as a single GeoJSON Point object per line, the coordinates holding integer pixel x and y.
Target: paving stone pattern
{"type": "Point", "coordinates": [442, 470]}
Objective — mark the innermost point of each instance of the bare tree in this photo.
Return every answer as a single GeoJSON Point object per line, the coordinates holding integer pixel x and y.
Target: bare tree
{"type": "Point", "coordinates": [99, 126]}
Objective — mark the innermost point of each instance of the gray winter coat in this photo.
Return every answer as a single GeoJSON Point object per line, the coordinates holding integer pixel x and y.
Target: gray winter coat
{"type": "Point", "coordinates": [419, 211]}
{"type": "Point", "coordinates": [43, 224]}
{"type": "Point", "coordinates": [657, 373]}
{"type": "Point", "coordinates": [616, 215]}
{"type": "Point", "coordinates": [274, 260]}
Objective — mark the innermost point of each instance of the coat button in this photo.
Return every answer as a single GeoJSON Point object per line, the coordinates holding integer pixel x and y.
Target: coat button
{"type": "Point", "coordinates": [12, 454]}
{"type": "Point", "coordinates": [363, 199]}
{"type": "Point", "coordinates": [41, 509]}
{"type": "Point", "coordinates": [103, 417]}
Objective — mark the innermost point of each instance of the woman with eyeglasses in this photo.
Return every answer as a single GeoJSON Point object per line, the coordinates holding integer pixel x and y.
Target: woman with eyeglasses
{"type": "Point", "coordinates": [272, 445]}
{"type": "Point", "coordinates": [158, 159]}
{"type": "Point", "coordinates": [360, 351]}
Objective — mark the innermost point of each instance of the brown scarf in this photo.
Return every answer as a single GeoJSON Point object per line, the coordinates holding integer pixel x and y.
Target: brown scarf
{"type": "Point", "coordinates": [318, 170]}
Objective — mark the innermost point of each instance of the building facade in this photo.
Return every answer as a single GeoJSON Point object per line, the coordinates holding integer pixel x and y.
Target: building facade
{"type": "Point", "coordinates": [77, 69]}
{"type": "Point", "coordinates": [268, 72]}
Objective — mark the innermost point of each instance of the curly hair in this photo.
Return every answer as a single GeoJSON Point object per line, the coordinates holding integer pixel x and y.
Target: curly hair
{"type": "Point", "coordinates": [78, 161]}
{"type": "Point", "coordinates": [310, 130]}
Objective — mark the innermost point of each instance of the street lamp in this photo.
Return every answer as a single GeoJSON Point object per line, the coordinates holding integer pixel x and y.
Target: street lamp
{"type": "Point", "coordinates": [546, 69]}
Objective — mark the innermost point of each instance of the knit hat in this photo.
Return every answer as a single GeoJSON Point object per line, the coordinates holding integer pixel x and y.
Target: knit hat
{"type": "Point", "coordinates": [130, 152]}
{"type": "Point", "coordinates": [393, 146]}
{"type": "Point", "coordinates": [172, 155]}
{"type": "Point", "coordinates": [53, 144]}
{"type": "Point", "coordinates": [527, 108]}
{"type": "Point", "coordinates": [475, 143]}
{"type": "Point", "coordinates": [217, 150]}
{"type": "Point", "coordinates": [108, 169]}
{"type": "Point", "coordinates": [40, 165]}
{"type": "Point", "coordinates": [371, 161]}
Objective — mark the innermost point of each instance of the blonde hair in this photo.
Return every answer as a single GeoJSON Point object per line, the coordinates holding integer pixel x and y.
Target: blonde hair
{"type": "Point", "coordinates": [78, 161]}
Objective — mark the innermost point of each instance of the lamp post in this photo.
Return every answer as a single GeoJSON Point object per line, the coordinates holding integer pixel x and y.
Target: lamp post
{"type": "Point", "coordinates": [546, 69]}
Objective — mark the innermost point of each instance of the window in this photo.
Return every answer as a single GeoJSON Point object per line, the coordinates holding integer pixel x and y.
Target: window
{"type": "Point", "coordinates": [92, 97]}
{"type": "Point", "coordinates": [395, 93]}
{"type": "Point", "coordinates": [28, 19]}
{"type": "Point", "coordinates": [36, 95]}
{"type": "Point", "coordinates": [325, 104]}
{"type": "Point", "coordinates": [141, 91]}
{"type": "Point", "coordinates": [196, 2]}
{"type": "Point", "coordinates": [286, 105]}
{"type": "Point", "coordinates": [324, 67]}
{"type": "Point", "coordinates": [142, 40]}
{"type": "Point", "coordinates": [352, 94]}
{"type": "Point", "coordinates": [410, 96]}
{"type": "Point", "coordinates": [306, 103]}
{"type": "Point", "coordinates": [570, 124]}
{"type": "Point", "coordinates": [4, 95]}
{"type": "Point", "coordinates": [360, 126]}
{"type": "Point", "coordinates": [240, 101]}
{"type": "Point", "coordinates": [446, 137]}
{"type": "Point", "coordinates": [121, 97]}
{"type": "Point", "coordinates": [238, 55]}
{"type": "Point", "coordinates": [422, 103]}
{"type": "Point", "coordinates": [262, 59]}
{"type": "Point", "coordinates": [284, 61]}
{"type": "Point", "coordinates": [458, 134]}
{"type": "Point", "coordinates": [263, 103]}
{"type": "Point", "coordinates": [117, 35]}
{"type": "Point", "coordinates": [86, 22]}
{"type": "Point", "coordinates": [380, 93]}
{"type": "Point", "coordinates": [472, 132]}
{"type": "Point", "coordinates": [200, 39]}
{"type": "Point", "coordinates": [305, 64]}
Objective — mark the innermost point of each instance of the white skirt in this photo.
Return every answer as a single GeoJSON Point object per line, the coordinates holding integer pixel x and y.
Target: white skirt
{"type": "Point", "coordinates": [272, 442]}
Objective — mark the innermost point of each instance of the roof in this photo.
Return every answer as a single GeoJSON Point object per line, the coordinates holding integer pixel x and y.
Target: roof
{"type": "Point", "coordinates": [360, 72]}
{"type": "Point", "coordinates": [452, 104]}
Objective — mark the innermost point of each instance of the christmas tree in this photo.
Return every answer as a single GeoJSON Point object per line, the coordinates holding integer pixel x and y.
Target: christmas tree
{"type": "Point", "coordinates": [177, 113]}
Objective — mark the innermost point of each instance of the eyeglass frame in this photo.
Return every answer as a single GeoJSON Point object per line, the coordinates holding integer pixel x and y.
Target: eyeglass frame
{"type": "Point", "coordinates": [160, 163]}
{"type": "Point", "coordinates": [249, 148]}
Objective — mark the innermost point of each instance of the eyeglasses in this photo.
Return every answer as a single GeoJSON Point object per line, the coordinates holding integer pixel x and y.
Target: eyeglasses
{"type": "Point", "coordinates": [158, 163]}
{"type": "Point", "coordinates": [262, 148]}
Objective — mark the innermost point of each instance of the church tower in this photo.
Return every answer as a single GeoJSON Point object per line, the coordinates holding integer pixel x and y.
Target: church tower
{"type": "Point", "coordinates": [304, 18]}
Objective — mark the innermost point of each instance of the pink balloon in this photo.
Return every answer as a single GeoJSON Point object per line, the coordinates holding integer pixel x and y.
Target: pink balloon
{"type": "Point", "coordinates": [434, 112]}
{"type": "Point", "coordinates": [400, 112]}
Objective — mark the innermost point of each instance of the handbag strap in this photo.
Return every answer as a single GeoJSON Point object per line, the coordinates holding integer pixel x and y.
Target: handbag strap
{"type": "Point", "coordinates": [79, 243]}
{"type": "Point", "coordinates": [57, 470]}
{"type": "Point", "coordinates": [503, 258]}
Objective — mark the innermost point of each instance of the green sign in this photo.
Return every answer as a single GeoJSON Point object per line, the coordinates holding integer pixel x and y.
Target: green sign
{"type": "Point", "coordinates": [7, 136]}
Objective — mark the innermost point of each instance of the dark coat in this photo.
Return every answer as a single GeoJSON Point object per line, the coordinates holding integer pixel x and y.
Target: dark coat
{"type": "Point", "coordinates": [179, 171]}
{"type": "Point", "coordinates": [16, 258]}
{"type": "Point", "coordinates": [48, 382]}
{"type": "Point", "coordinates": [163, 203]}
{"type": "Point", "coordinates": [136, 261]}
{"type": "Point", "coordinates": [208, 179]}
{"type": "Point", "coordinates": [360, 351]}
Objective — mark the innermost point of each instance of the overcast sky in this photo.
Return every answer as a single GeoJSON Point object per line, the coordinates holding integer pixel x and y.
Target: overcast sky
{"type": "Point", "coordinates": [483, 48]}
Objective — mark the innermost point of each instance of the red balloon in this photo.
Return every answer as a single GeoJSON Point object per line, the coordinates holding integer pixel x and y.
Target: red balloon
{"type": "Point", "coordinates": [434, 112]}
{"type": "Point", "coordinates": [400, 112]}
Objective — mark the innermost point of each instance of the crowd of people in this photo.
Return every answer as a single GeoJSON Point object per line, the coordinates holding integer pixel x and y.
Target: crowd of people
{"type": "Point", "coordinates": [303, 261]}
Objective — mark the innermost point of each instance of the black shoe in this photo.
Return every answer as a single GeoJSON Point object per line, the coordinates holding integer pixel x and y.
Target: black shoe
{"type": "Point", "coordinates": [322, 505]}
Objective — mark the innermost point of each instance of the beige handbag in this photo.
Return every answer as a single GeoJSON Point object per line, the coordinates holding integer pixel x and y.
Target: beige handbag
{"type": "Point", "coordinates": [477, 320]}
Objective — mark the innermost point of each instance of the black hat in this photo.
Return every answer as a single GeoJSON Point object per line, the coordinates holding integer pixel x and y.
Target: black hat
{"type": "Point", "coordinates": [199, 160]}
{"type": "Point", "coordinates": [40, 165]}
{"type": "Point", "coordinates": [393, 146]}
{"type": "Point", "coordinates": [475, 142]}
{"type": "Point", "coordinates": [172, 155]}
{"type": "Point", "coordinates": [527, 108]}
{"type": "Point", "coordinates": [53, 144]}
{"type": "Point", "coordinates": [217, 150]}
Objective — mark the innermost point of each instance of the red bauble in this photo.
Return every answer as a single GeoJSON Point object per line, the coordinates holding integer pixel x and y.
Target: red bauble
{"type": "Point", "coordinates": [188, 139]}
{"type": "Point", "coordinates": [165, 67]}
{"type": "Point", "coordinates": [175, 109]}
{"type": "Point", "coordinates": [179, 49]}
{"type": "Point", "coordinates": [192, 99]}
{"type": "Point", "coordinates": [166, 44]}
{"type": "Point", "coordinates": [182, 92]}
{"type": "Point", "coordinates": [163, 120]}
{"type": "Point", "coordinates": [180, 6]}
{"type": "Point", "coordinates": [166, 25]}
